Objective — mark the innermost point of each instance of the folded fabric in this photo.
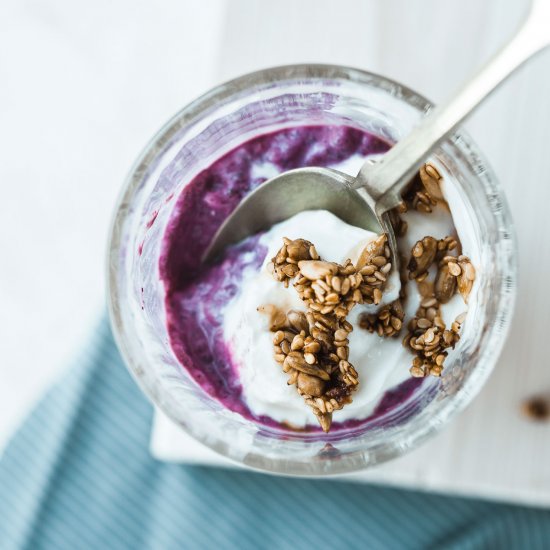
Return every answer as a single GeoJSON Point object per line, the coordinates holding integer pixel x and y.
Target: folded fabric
{"type": "Point", "coordinates": [78, 475]}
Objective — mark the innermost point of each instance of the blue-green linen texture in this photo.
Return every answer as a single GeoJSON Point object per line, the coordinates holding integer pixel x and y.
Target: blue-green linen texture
{"type": "Point", "coordinates": [78, 475]}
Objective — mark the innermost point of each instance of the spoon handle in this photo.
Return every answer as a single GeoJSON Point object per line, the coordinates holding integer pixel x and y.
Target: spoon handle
{"type": "Point", "coordinates": [385, 179]}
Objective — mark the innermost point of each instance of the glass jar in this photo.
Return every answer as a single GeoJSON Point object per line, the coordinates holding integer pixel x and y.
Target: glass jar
{"type": "Point", "coordinates": [215, 123]}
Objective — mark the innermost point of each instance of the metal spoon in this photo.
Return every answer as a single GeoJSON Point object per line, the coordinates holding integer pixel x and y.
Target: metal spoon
{"type": "Point", "coordinates": [363, 201]}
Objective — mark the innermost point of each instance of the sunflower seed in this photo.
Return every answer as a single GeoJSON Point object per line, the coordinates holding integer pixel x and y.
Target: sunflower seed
{"type": "Point", "coordinates": [445, 284]}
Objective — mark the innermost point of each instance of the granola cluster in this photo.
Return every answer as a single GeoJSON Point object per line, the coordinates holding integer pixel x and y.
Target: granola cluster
{"type": "Point", "coordinates": [313, 350]}
{"type": "Point", "coordinates": [313, 347]}
{"type": "Point", "coordinates": [428, 338]}
{"type": "Point", "coordinates": [439, 271]}
{"type": "Point", "coordinates": [328, 287]}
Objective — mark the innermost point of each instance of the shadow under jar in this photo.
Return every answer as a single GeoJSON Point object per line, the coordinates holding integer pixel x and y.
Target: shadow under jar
{"type": "Point", "coordinates": [199, 135]}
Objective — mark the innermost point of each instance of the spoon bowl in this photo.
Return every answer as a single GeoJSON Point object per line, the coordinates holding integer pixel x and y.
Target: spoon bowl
{"type": "Point", "coordinates": [292, 192]}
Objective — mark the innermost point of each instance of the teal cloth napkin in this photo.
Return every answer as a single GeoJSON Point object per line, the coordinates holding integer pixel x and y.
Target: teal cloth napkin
{"type": "Point", "coordinates": [78, 475]}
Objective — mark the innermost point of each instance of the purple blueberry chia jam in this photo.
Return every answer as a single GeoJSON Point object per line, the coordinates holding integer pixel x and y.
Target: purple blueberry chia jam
{"type": "Point", "coordinates": [196, 295]}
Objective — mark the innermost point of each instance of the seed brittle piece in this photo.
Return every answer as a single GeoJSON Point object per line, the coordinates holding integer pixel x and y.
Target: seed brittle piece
{"type": "Point", "coordinates": [466, 277]}
{"type": "Point", "coordinates": [374, 248]}
{"type": "Point", "coordinates": [445, 284]}
{"type": "Point", "coordinates": [424, 191]}
{"type": "Point", "coordinates": [331, 288]}
{"type": "Point", "coordinates": [310, 385]}
{"type": "Point", "coordinates": [387, 322]}
{"type": "Point", "coordinates": [422, 257]}
{"type": "Point", "coordinates": [283, 265]}
{"type": "Point", "coordinates": [312, 349]}
{"type": "Point", "coordinates": [431, 180]}
{"type": "Point", "coordinates": [429, 340]}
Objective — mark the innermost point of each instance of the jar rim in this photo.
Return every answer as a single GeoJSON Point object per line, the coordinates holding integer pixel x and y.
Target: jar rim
{"type": "Point", "coordinates": [186, 116]}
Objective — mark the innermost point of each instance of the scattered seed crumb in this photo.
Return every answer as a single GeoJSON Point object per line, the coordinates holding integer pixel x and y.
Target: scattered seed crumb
{"type": "Point", "coordinates": [537, 408]}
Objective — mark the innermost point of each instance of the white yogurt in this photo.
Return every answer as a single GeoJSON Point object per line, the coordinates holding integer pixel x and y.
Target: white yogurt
{"type": "Point", "coordinates": [382, 363]}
